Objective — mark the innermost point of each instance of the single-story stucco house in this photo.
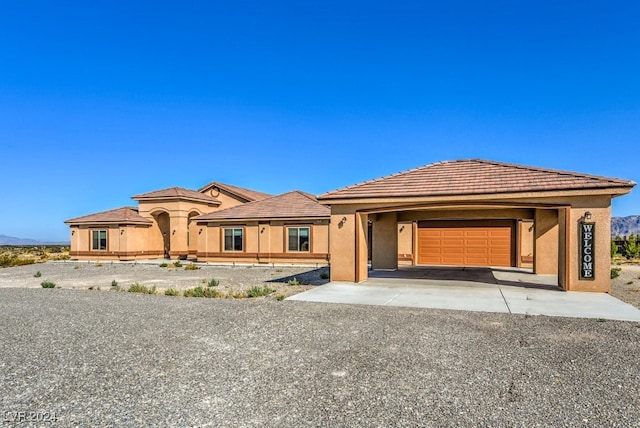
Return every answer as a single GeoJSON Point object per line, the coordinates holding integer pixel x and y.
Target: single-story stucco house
{"type": "Point", "coordinates": [461, 213]}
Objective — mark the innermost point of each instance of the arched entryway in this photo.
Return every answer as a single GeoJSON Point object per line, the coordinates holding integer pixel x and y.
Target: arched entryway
{"type": "Point", "coordinates": [164, 227]}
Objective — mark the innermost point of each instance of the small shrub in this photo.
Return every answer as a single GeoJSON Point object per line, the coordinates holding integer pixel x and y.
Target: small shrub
{"type": "Point", "coordinates": [630, 282]}
{"type": "Point", "coordinates": [171, 292]}
{"type": "Point", "coordinates": [98, 264]}
{"type": "Point", "coordinates": [615, 272]}
{"type": "Point", "coordinates": [257, 291]}
{"type": "Point", "coordinates": [213, 283]}
{"type": "Point", "coordinates": [37, 274]}
{"type": "Point", "coordinates": [76, 267]}
{"type": "Point", "coordinates": [212, 293]}
{"type": "Point", "coordinates": [279, 270]}
{"type": "Point", "coordinates": [280, 297]}
{"type": "Point", "coordinates": [239, 295]}
{"type": "Point", "coordinates": [139, 288]}
{"type": "Point", "coordinates": [324, 275]}
{"type": "Point", "coordinates": [117, 288]}
{"type": "Point", "coordinates": [163, 265]}
{"type": "Point", "coordinates": [114, 283]}
{"type": "Point", "coordinates": [293, 281]}
{"type": "Point", "coordinates": [194, 292]}
{"type": "Point", "coordinates": [177, 264]}
{"type": "Point", "coordinates": [48, 284]}
{"type": "Point", "coordinates": [202, 292]}
{"type": "Point", "coordinates": [94, 288]}
{"type": "Point", "coordinates": [191, 266]}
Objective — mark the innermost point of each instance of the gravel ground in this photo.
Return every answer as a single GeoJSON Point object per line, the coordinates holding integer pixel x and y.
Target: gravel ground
{"type": "Point", "coordinates": [626, 286]}
{"type": "Point", "coordinates": [123, 359]}
{"type": "Point", "coordinates": [83, 275]}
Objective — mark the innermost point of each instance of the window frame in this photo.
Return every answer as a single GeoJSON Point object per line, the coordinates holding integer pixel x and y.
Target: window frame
{"type": "Point", "coordinates": [106, 239]}
{"type": "Point", "coordinates": [298, 250]}
{"type": "Point", "coordinates": [224, 239]}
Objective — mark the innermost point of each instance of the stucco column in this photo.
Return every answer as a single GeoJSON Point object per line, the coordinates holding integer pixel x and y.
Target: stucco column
{"type": "Point", "coordinates": [362, 247]}
{"type": "Point", "coordinates": [385, 241]}
{"type": "Point", "coordinates": [178, 231]}
{"type": "Point", "coordinates": [601, 217]}
{"type": "Point", "coordinates": [348, 246]}
{"type": "Point", "coordinates": [342, 246]}
{"type": "Point", "coordinates": [545, 247]}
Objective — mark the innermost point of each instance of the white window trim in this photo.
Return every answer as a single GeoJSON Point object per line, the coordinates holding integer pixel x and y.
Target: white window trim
{"type": "Point", "coordinates": [106, 239]}
{"type": "Point", "coordinates": [289, 250]}
{"type": "Point", "coordinates": [241, 229]}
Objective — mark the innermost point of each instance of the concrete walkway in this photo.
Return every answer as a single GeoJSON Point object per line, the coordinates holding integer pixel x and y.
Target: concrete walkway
{"type": "Point", "coordinates": [473, 289]}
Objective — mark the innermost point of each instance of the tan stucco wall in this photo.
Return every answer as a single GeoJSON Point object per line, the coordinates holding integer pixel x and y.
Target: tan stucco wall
{"type": "Point", "coordinates": [385, 241]}
{"type": "Point", "coordinates": [546, 242]}
{"type": "Point", "coordinates": [600, 210]}
{"type": "Point", "coordinates": [264, 242]}
{"type": "Point", "coordinates": [343, 243]}
{"type": "Point", "coordinates": [178, 211]}
{"type": "Point", "coordinates": [525, 243]}
{"type": "Point", "coordinates": [405, 243]}
{"type": "Point", "coordinates": [124, 242]}
{"type": "Point", "coordinates": [227, 200]}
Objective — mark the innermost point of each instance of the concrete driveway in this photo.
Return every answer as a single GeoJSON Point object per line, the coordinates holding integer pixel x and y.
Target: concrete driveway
{"type": "Point", "coordinates": [473, 289]}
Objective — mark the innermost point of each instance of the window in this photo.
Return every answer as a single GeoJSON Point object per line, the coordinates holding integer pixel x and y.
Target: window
{"type": "Point", "coordinates": [299, 239]}
{"type": "Point", "coordinates": [99, 240]}
{"type": "Point", "coordinates": [233, 239]}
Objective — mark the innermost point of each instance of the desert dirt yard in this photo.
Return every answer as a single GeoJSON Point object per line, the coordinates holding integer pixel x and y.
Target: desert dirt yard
{"type": "Point", "coordinates": [626, 286]}
{"type": "Point", "coordinates": [74, 357]}
{"type": "Point", "coordinates": [233, 281]}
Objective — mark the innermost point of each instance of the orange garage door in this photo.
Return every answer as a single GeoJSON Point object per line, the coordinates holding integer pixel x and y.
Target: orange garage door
{"type": "Point", "coordinates": [468, 245]}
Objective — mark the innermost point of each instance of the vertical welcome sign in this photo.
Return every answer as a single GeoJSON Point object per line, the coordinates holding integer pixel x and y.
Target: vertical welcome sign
{"type": "Point", "coordinates": [587, 240]}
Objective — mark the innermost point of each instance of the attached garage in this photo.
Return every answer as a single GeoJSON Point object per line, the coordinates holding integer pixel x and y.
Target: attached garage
{"type": "Point", "coordinates": [466, 243]}
{"type": "Point", "coordinates": [477, 213]}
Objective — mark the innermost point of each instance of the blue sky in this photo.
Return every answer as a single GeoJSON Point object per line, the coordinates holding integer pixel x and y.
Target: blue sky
{"type": "Point", "coordinates": [101, 100]}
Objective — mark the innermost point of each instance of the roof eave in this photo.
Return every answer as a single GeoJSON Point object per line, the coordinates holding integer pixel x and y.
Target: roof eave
{"type": "Point", "coordinates": [109, 222]}
{"type": "Point", "coordinates": [345, 200]}
{"type": "Point", "coordinates": [174, 199]}
{"type": "Point", "coordinates": [250, 219]}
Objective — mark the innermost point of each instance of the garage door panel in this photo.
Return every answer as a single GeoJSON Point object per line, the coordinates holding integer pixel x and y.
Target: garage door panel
{"type": "Point", "coordinates": [479, 251]}
{"type": "Point", "coordinates": [476, 243]}
{"type": "Point", "coordinates": [466, 245]}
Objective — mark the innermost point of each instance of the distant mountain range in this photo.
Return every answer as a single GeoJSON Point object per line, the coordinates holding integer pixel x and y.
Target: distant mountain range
{"type": "Point", "coordinates": [625, 226]}
{"type": "Point", "coordinates": [10, 240]}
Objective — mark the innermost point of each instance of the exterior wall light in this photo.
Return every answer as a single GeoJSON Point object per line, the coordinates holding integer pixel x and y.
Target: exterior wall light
{"type": "Point", "coordinates": [344, 220]}
{"type": "Point", "coordinates": [587, 215]}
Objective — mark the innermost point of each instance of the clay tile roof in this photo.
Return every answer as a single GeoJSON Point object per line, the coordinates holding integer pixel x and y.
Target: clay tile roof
{"type": "Point", "coordinates": [294, 204]}
{"type": "Point", "coordinates": [124, 215]}
{"type": "Point", "coordinates": [247, 194]}
{"type": "Point", "coordinates": [176, 193]}
{"type": "Point", "coordinates": [474, 176]}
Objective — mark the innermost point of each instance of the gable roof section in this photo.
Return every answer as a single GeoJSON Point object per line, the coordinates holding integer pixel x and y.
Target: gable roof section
{"type": "Point", "coordinates": [473, 177]}
{"type": "Point", "coordinates": [247, 194]}
{"type": "Point", "coordinates": [294, 204]}
{"type": "Point", "coordinates": [124, 215]}
{"type": "Point", "coordinates": [176, 193]}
